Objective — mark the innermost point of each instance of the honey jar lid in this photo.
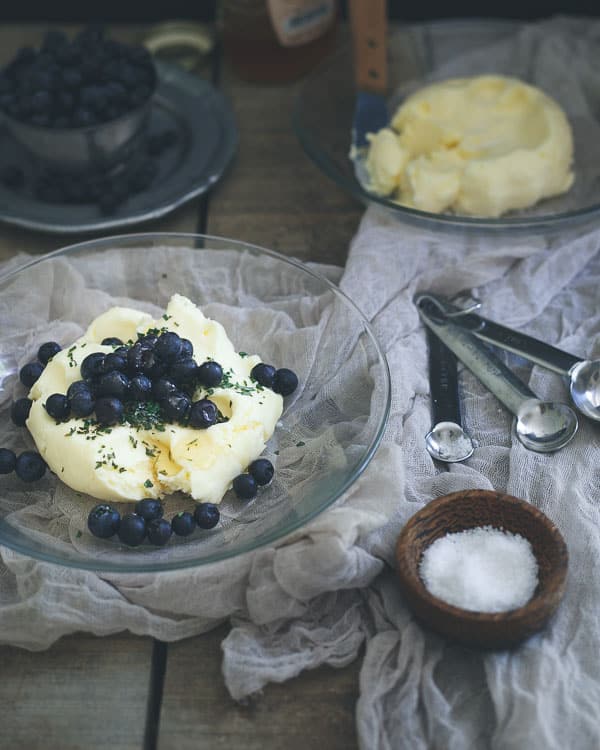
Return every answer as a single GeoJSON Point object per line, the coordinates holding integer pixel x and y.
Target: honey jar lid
{"type": "Point", "coordinates": [185, 43]}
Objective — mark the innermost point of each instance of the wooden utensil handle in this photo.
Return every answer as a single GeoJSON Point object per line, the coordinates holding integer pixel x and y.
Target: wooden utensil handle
{"type": "Point", "coordinates": [368, 19]}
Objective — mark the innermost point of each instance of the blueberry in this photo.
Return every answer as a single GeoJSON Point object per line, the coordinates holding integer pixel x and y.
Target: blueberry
{"type": "Point", "coordinates": [78, 386]}
{"type": "Point", "coordinates": [72, 78]}
{"type": "Point", "coordinates": [58, 407]}
{"type": "Point", "coordinates": [263, 374]}
{"type": "Point", "coordinates": [152, 366]}
{"type": "Point", "coordinates": [112, 341]}
{"type": "Point", "coordinates": [183, 371]}
{"type": "Point", "coordinates": [262, 470]}
{"type": "Point", "coordinates": [113, 383]}
{"type": "Point", "coordinates": [82, 403]}
{"type": "Point", "coordinates": [103, 521]}
{"type": "Point", "coordinates": [176, 407]}
{"type": "Point", "coordinates": [19, 411]}
{"type": "Point", "coordinates": [41, 101]}
{"type": "Point", "coordinates": [286, 381]}
{"type": "Point", "coordinates": [159, 532]}
{"type": "Point", "coordinates": [245, 486]}
{"type": "Point", "coordinates": [114, 361]}
{"type": "Point", "coordinates": [183, 524]}
{"type": "Point", "coordinates": [84, 117]}
{"type": "Point", "coordinates": [30, 372]}
{"type": "Point", "coordinates": [140, 388]}
{"type": "Point", "coordinates": [8, 460]}
{"type": "Point", "coordinates": [207, 515]}
{"type": "Point", "coordinates": [92, 366]}
{"type": "Point", "coordinates": [47, 351]}
{"type": "Point", "coordinates": [12, 176]}
{"type": "Point", "coordinates": [210, 374]}
{"type": "Point", "coordinates": [187, 349]}
{"type": "Point", "coordinates": [162, 388]}
{"type": "Point", "coordinates": [30, 466]}
{"type": "Point", "coordinates": [109, 410]}
{"type": "Point", "coordinates": [168, 346]}
{"type": "Point", "coordinates": [149, 509]}
{"type": "Point", "coordinates": [132, 530]}
{"type": "Point", "coordinates": [147, 341]}
{"type": "Point", "coordinates": [203, 414]}
{"type": "Point", "coordinates": [134, 358]}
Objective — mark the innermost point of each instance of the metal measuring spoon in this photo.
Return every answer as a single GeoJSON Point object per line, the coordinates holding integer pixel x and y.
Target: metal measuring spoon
{"type": "Point", "coordinates": [447, 440]}
{"type": "Point", "coordinates": [583, 375]}
{"type": "Point", "coordinates": [542, 426]}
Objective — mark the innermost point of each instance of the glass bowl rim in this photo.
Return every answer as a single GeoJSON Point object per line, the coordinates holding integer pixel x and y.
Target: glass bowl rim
{"type": "Point", "coordinates": [405, 213]}
{"type": "Point", "coordinates": [273, 535]}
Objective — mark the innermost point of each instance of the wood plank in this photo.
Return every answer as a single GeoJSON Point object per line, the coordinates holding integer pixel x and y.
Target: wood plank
{"type": "Point", "coordinates": [82, 693]}
{"type": "Point", "coordinates": [313, 710]}
{"type": "Point", "coordinates": [273, 194]}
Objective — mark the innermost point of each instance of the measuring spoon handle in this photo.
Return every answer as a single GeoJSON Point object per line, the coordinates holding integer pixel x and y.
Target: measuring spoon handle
{"type": "Point", "coordinates": [490, 370]}
{"type": "Point", "coordinates": [443, 381]}
{"type": "Point", "coordinates": [530, 348]}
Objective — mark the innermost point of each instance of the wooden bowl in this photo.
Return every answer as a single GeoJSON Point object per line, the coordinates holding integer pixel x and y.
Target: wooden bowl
{"type": "Point", "coordinates": [466, 510]}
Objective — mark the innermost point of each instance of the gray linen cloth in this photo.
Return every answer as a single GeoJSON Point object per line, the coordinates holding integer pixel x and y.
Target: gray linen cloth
{"type": "Point", "coordinates": [329, 588]}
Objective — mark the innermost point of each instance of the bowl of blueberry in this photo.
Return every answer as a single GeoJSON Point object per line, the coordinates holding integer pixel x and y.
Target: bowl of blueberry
{"type": "Point", "coordinates": [78, 103]}
{"type": "Point", "coordinates": [168, 401]}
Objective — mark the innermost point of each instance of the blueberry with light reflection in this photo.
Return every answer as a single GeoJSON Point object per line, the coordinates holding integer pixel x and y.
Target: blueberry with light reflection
{"type": "Point", "coordinates": [210, 374]}
{"type": "Point", "coordinates": [92, 365]}
{"type": "Point", "coordinates": [149, 509]}
{"type": "Point", "coordinates": [245, 486]}
{"type": "Point", "coordinates": [30, 466]}
{"type": "Point", "coordinates": [168, 346]}
{"type": "Point", "coordinates": [103, 521]}
{"type": "Point", "coordinates": [262, 470]}
{"type": "Point", "coordinates": [58, 407]}
{"type": "Point", "coordinates": [159, 531]}
{"type": "Point", "coordinates": [285, 382]}
{"type": "Point", "coordinates": [109, 410]}
{"type": "Point", "coordinates": [203, 414]}
{"type": "Point", "coordinates": [113, 383]}
{"type": "Point", "coordinates": [183, 524]}
{"type": "Point", "coordinates": [207, 515]}
{"type": "Point", "coordinates": [140, 388]}
{"type": "Point", "coordinates": [47, 351]}
{"type": "Point", "coordinates": [132, 530]}
{"type": "Point", "coordinates": [263, 374]}
{"type": "Point", "coordinates": [29, 373]}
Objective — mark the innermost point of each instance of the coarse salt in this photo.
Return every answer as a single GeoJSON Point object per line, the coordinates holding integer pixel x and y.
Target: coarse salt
{"type": "Point", "coordinates": [483, 569]}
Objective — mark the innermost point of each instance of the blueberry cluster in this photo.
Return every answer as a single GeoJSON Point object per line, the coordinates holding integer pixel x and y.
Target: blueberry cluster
{"type": "Point", "coordinates": [72, 83]}
{"type": "Point", "coordinates": [281, 381]}
{"type": "Point", "coordinates": [147, 384]}
{"type": "Point", "coordinates": [147, 521]}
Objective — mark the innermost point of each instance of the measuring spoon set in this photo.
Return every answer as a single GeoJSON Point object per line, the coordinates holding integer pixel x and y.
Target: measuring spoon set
{"type": "Point", "coordinates": [457, 332]}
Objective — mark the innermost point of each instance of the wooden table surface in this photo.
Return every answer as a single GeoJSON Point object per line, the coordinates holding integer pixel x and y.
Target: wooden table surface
{"type": "Point", "coordinates": [123, 692]}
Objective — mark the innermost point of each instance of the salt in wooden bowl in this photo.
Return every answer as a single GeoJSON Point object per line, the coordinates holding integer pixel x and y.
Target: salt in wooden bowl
{"type": "Point", "coordinates": [467, 510]}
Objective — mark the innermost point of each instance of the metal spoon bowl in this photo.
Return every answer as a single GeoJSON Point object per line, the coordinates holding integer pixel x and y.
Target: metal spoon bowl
{"type": "Point", "coordinates": [448, 442]}
{"type": "Point", "coordinates": [545, 426]}
{"type": "Point", "coordinates": [585, 387]}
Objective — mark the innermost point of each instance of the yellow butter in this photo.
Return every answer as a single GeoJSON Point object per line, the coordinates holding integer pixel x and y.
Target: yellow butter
{"type": "Point", "coordinates": [477, 146]}
{"type": "Point", "coordinates": [124, 463]}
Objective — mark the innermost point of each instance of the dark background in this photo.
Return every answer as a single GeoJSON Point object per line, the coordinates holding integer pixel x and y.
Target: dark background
{"type": "Point", "coordinates": [204, 10]}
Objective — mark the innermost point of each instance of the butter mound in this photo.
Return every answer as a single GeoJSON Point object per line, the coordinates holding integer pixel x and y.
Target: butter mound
{"type": "Point", "coordinates": [126, 463]}
{"type": "Point", "coordinates": [477, 146]}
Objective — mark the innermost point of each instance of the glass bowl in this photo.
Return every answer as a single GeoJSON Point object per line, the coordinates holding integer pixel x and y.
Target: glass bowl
{"type": "Point", "coordinates": [422, 53]}
{"type": "Point", "coordinates": [270, 305]}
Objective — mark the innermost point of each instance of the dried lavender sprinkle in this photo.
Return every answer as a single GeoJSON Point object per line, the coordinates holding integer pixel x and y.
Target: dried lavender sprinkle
{"type": "Point", "coordinates": [482, 569]}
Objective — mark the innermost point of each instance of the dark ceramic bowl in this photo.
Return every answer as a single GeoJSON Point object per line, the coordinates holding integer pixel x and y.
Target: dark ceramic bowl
{"type": "Point", "coordinates": [466, 510]}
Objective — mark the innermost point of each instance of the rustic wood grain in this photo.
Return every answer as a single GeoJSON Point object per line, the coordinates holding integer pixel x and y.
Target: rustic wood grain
{"type": "Point", "coordinates": [313, 710]}
{"type": "Point", "coordinates": [273, 194]}
{"type": "Point", "coordinates": [82, 693]}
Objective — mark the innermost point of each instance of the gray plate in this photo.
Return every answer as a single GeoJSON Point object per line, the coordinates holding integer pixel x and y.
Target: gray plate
{"type": "Point", "coordinates": [207, 140]}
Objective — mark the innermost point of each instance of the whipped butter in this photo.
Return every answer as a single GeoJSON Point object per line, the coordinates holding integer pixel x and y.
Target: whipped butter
{"type": "Point", "coordinates": [477, 146]}
{"type": "Point", "coordinates": [127, 463]}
